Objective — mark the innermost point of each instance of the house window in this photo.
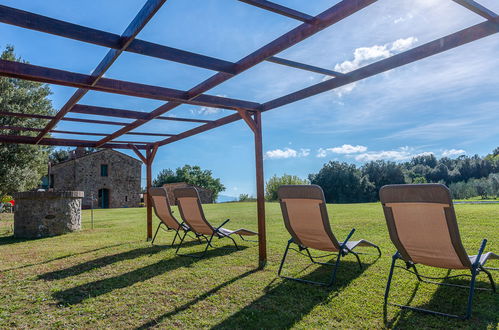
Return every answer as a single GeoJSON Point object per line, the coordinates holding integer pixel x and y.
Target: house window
{"type": "Point", "coordinates": [103, 170]}
{"type": "Point", "coordinates": [51, 179]}
{"type": "Point", "coordinates": [126, 198]}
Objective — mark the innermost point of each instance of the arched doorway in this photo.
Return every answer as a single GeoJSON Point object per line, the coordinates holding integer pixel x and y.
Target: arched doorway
{"type": "Point", "coordinates": [104, 198]}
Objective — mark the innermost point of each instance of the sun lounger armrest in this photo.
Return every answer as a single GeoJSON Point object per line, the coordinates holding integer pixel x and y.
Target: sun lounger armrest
{"type": "Point", "coordinates": [479, 255]}
{"type": "Point", "coordinates": [344, 244]}
{"type": "Point", "coordinates": [223, 223]}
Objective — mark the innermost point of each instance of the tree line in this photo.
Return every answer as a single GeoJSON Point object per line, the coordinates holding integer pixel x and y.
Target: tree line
{"type": "Point", "coordinates": [346, 183]}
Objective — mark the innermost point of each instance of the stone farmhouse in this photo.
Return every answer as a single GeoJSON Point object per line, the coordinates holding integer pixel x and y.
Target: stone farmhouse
{"type": "Point", "coordinates": [111, 177]}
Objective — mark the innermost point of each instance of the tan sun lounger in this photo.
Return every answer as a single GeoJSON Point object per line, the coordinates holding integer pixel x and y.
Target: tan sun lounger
{"type": "Point", "coordinates": [422, 226]}
{"type": "Point", "coordinates": [192, 213]}
{"type": "Point", "coordinates": [163, 211]}
{"type": "Point", "coordinates": [306, 219]}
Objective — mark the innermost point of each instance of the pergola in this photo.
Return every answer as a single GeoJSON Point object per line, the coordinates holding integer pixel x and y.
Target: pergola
{"type": "Point", "coordinates": [248, 111]}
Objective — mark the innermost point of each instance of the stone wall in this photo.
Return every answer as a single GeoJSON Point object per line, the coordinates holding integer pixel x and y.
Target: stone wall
{"type": "Point", "coordinates": [43, 214]}
{"type": "Point", "coordinates": [84, 173]}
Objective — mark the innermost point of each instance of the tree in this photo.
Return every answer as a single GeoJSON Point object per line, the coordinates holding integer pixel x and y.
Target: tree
{"type": "Point", "coordinates": [192, 175]}
{"type": "Point", "coordinates": [59, 155]}
{"type": "Point", "coordinates": [275, 182]}
{"type": "Point", "coordinates": [381, 173]}
{"type": "Point", "coordinates": [341, 183]}
{"type": "Point", "coordinates": [22, 165]}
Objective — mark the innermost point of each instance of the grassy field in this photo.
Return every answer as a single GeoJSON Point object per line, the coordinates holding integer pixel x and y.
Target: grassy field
{"type": "Point", "coordinates": [110, 277]}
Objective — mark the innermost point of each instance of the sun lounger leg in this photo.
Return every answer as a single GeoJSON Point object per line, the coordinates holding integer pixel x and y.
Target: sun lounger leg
{"type": "Point", "coordinates": [492, 283]}
{"type": "Point", "coordinates": [175, 237]}
{"type": "Point", "coordinates": [152, 242]}
{"type": "Point", "coordinates": [333, 276]}
{"type": "Point", "coordinates": [358, 259]}
{"type": "Point", "coordinates": [181, 241]}
{"type": "Point", "coordinates": [390, 276]}
{"type": "Point", "coordinates": [284, 258]}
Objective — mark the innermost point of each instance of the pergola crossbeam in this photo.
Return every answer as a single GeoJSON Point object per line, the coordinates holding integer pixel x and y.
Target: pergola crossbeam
{"type": "Point", "coordinates": [66, 78]}
{"type": "Point", "coordinates": [279, 9]}
{"type": "Point", "coordinates": [32, 129]}
{"type": "Point", "coordinates": [477, 8]}
{"type": "Point", "coordinates": [64, 29]}
{"type": "Point", "coordinates": [303, 66]}
{"type": "Point", "coordinates": [122, 113]}
{"type": "Point", "coordinates": [62, 142]}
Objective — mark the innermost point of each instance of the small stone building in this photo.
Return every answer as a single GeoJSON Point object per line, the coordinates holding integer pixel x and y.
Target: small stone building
{"type": "Point", "coordinates": [205, 195]}
{"type": "Point", "coordinates": [111, 177]}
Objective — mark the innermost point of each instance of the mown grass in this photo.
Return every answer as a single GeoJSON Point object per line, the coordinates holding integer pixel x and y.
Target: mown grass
{"type": "Point", "coordinates": [110, 277]}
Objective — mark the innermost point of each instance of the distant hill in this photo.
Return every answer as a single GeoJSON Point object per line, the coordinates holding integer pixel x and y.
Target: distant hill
{"type": "Point", "coordinates": [225, 199]}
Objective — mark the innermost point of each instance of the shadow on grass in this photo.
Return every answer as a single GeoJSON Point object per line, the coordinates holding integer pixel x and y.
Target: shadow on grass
{"type": "Point", "coordinates": [289, 301]}
{"type": "Point", "coordinates": [191, 303]}
{"type": "Point", "coordinates": [4, 240]}
{"type": "Point", "coordinates": [61, 257]}
{"type": "Point", "coordinates": [450, 300]}
{"type": "Point", "coordinates": [105, 261]}
{"type": "Point", "coordinates": [93, 289]}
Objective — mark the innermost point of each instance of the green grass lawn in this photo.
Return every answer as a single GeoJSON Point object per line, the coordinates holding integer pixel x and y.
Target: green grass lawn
{"type": "Point", "coordinates": [110, 277]}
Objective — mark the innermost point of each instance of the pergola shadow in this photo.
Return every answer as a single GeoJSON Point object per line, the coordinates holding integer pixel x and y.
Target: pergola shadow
{"type": "Point", "coordinates": [449, 300]}
{"type": "Point", "coordinates": [289, 301]}
{"type": "Point", "coordinates": [93, 289]}
{"type": "Point", "coordinates": [18, 240]}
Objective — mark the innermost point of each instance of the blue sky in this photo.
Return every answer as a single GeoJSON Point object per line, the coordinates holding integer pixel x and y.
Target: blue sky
{"type": "Point", "coordinates": [446, 104]}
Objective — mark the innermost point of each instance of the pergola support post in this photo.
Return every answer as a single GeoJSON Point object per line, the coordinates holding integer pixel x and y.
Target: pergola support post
{"type": "Point", "coordinates": [260, 194]}
{"type": "Point", "coordinates": [150, 154]}
{"type": "Point", "coordinates": [147, 160]}
{"type": "Point", "coordinates": [255, 124]}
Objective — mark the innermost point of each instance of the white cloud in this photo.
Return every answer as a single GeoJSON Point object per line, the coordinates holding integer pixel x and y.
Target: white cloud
{"type": "Point", "coordinates": [401, 45]}
{"type": "Point", "coordinates": [286, 153]}
{"type": "Point", "coordinates": [344, 149]}
{"type": "Point", "coordinates": [401, 154]}
{"type": "Point", "coordinates": [453, 152]}
{"type": "Point", "coordinates": [206, 111]}
{"type": "Point", "coordinates": [366, 55]}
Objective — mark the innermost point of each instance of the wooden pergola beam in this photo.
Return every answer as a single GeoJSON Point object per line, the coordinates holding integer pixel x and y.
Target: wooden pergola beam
{"type": "Point", "coordinates": [80, 120]}
{"type": "Point", "coordinates": [281, 10]}
{"type": "Point", "coordinates": [302, 66]}
{"type": "Point", "coordinates": [477, 8]}
{"type": "Point", "coordinates": [137, 24]}
{"type": "Point", "coordinates": [62, 142]}
{"type": "Point", "coordinates": [64, 29]}
{"type": "Point", "coordinates": [121, 113]}
{"type": "Point", "coordinates": [31, 129]}
{"type": "Point", "coordinates": [325, 19]}
{"type": "Point", "coordinates": [66, 78]}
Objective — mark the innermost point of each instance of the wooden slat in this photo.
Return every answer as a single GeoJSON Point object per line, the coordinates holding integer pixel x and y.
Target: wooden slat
{"type": "Point", "coordinates": [137, 24]}
{"type": "Point", "coordinates": [302, 66]}
{"type": "Point", "coordinates": [477, 8]}
{"type": "Point", "coordinates": [327, 18]}
{"type": "Point", "coordinates": [49, 25]}
{"type": "Point", "coordinates": [122, 113]}
{"type": "Point", "coordinates": [81, 120]}
{"type": "Point", "coordinates": [62, 142]}
{"type": "Point", "coordinates": [20, 128]}
{"type": "Point", "coordinates": [279, 9]}
{"type": "Point", "coordinates": [66, 78]}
